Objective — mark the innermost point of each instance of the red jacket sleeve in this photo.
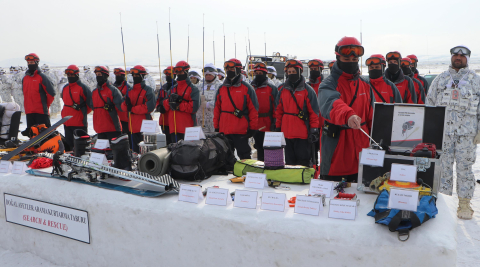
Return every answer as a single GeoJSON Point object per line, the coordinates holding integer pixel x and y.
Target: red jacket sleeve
{"type": "Point", "coordinates": [279, 110]}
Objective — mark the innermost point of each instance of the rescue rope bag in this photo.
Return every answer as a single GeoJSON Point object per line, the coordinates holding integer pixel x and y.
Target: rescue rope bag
{"type": "Point", "coordinates": [401, 220]}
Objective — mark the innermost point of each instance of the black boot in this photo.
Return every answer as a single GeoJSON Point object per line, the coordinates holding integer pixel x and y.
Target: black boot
{"type": "Point", "coordinates": [81, 142]}
{"type": "Point", "coordinates": [121, 153]}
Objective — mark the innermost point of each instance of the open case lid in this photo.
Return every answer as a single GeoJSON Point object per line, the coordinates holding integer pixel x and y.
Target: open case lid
{"type": "Point", "coordinates": [430, 126]}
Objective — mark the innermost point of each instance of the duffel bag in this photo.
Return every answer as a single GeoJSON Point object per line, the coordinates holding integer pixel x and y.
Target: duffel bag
{"type": "Point", "coordinates": [289, 174]}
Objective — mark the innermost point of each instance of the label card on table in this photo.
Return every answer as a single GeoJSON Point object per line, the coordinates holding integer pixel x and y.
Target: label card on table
{"type": "Point", "coordinates": [150, 126]}
{"type": "Point", "coordinates": [256, 180]}
{"type": "Point", "coordinates": [194, 133]}
{"type": "Point", "coordinates": [273, 201]}
{"type": "Point", "coordinates": [342, 209]}
{"type": "Point", "coordinates": [190, 193]}
{"type": "Point", "coordinates": [245, 199]}
{"type": "Point", "coordinates": [102, 144]}
{"type": "Point", "coordinates": [5, 166]}
{"type": "Point", "coordinates": [217, 196]}
{"type": "Point", "coordinates": [318, 186]}
{"type": "Point", "coordinates": [19, 167]}
{"type": "Point", "coordinates": [308, 205]}
{"type": "Point", "coordinates": [403, 173]}
{"type": "Point", "coordinates": [373, 157]}
{"type": "Point", "coordinates": [274, 139]}
{"type": "Point", "coordinates": [403, 199]}
{"type": "Point", "coordinates": [98, 158]}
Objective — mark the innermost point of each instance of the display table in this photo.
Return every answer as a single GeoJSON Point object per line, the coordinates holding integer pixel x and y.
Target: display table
{"type": "Point", "coordinates": [128, 230]}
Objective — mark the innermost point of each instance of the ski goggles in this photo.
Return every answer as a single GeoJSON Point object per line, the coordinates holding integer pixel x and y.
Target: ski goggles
{"type": "Point", "coordinates": [414, 60]}
{"type": "Point", "coordinates": [167, 72]}
{"type": "Point", "coordinates": [330, 65]}
{"type": "Point", "coordinates": [314, 63]}
{"type": "Point", "coordinates": [292, 63]}
{"type": "Point", "coordinates": [101, 69]}
{"type": "Point", "coordinates": [118, 71]}
{"type": "Point", "coordinates": [209, 70]}
{"type": "Point", "coordinates": [260, 65]}
{"type": "Point", "coordinates": [30, 57]}
{"type": "Point", "coordinates": [136, 71]}
{"type": "Point", "coordinates": [229, 64]}
{"type": "Point", "coordinates": [349, 50]}
{"type": "Point", "coordinates": [178, 70]}
{"type": "Point", "coordinates": [460, 50]}
{"type": "Point", "coordinates": [393, 55]}
{"type": "Point", "coordinates": [374, 60]}
{"type": "Point", "coordinates": [405, 63]}
{"type": "Point", "coordinates": [69, 71]}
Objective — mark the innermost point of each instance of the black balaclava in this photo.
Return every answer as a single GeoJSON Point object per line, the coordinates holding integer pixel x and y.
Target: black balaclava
{"type": "Point", "coordinates": [414, 68]}
{"type": "Point", "coordinates": [169, 78]}
{"type": "Point", "coordinates": [102, 79]}
{"type": "Point", "coordinates": [183, 76]}
{"type": "Point", "coordinates": [231, 74]}
{"type": "Point", "coordinates": [260, 78]}
{"type": "Point", "coordinates": [32, 68]}
{"type": "Point", "coordinates": [73, 79]}
{"type": "Point", "coordinates": [139, 79]}
{"type": "Point", "coordinates": [393, 68]}
{"type": "Point", "coordinates": [314, 74]}
{"type": "Point", "coordinates": [293, 78]}
{"type": "Point", "coordinates": [348, 67]}
{"type": "Point", "coordinates": [406, 70]}
{"type": "Point", "coordinates": [119, 79]}
{"type": "Point", "coordinates": [375, 74]}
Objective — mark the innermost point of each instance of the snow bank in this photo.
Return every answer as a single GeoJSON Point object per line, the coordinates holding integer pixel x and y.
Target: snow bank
{"type": "Point", "coordinates": [128, 230]}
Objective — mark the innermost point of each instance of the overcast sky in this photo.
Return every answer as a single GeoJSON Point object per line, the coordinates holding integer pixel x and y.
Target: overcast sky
{"type": "Point", "coordinates": [88, 32]}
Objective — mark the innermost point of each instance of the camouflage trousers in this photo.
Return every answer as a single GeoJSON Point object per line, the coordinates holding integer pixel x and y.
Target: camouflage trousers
{"type": "Point", "coordinates": [461, 150]}
{"type": "Point", "coordinates": [18, 97]}
{"type": "Point", "coordinates": [208, 117]}
{"type": "Point", "coordinates": [6, 95]}
{"type": "Point", "coordinates": [56, 106]}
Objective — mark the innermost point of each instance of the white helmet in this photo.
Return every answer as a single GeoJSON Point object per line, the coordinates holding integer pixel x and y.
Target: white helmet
{"type": "Point", "coordinates": [23, 68]}
{"type": "Point", "coordinates": [45, 67]}
{"type": "Point", "coordinates": [272, 70]}
{"type": "Point", "coordinates": [2, 71]}
{"type": "Point", "coordinates": [86, 68]}
{"type": "Point", "coordinates": [147, 71]}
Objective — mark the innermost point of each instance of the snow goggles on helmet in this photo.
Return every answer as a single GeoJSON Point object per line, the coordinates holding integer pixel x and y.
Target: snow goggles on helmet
{"type": "Point", "coordinates": [349, 50]}
{"type": "Point", "coordinates": [393, 55]}
{"type": "Point", "coordinates": [118, 71]}
{"type": "Point", "coordinates": [414, 60]}
{"type": "Point", "coordinates": [314, 63]}
{"type": "Point", "coordinates": [209, 69]}
{"type": "Point", "coordinates": [405, 63]}
{"type": "Point", "coordinates": [69, 71]}
{"type": "Point", "coordinates": [30, 57]}
{"type": "Point", "coordinates": [178, 69]}
{"type": "Point", "coordinates": [292, 63]}
{"type": "Point", "coordinates": [101, 69]}
{"type": "Point", "coordinates": [330, 65]}
{"type": "Point", "coordinates": [374, 60]}
{"type": "Point", "coordinates": [460, 50]}
{"type": "Point", "coordinates": [260, 65]}
{"type": "Point", "coordinates": [229, 64]}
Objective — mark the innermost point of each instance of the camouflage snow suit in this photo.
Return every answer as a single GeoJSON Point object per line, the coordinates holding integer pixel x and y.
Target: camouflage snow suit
{"type": "Point", "coordinates": [209, 90]}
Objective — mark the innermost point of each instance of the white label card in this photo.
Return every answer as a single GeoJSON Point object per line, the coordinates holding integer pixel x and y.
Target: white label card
{"type": "Point", "coordinates": [308, 205]}
{"type": "Point", "coordinates": [403, 173]}
{"type": "Point", "coordinates": [149, 126]}
{"type": "Point", "coordinates": [342, 209]}
{"type": "Point", "coordinates": [318, 186]}
{"type": "Point", "coordinates": [273, 201]}
{"type": "Point", "coordinates": [98, 158]}
{"type": "Point", "coordinates": [190, 193]}
{"type": "Point", "coordinates": [19, 167]}
{"type": "Point", "coordinates": [245, 199]}
{"type": "Point", "coordinates": [276, 139]}
{"type": "Point", "coordinates": [217, 196]}
{"type": "Point", "coordinates": [102, 144]}
{"type": "Point", "coordinates": [256, 180]}
{"type": "Point", "coordinates": [194, 133]}
{"type": "Point", "coordinates": [5, 166]}
{"type": "Point", "coordinates": [403, 199]}
{"type": "Point", "coordinates": [373, 157]}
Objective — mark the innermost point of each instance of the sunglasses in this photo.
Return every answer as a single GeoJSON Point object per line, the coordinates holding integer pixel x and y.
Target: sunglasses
{"type": "Point", "coordinates": [349, 50]}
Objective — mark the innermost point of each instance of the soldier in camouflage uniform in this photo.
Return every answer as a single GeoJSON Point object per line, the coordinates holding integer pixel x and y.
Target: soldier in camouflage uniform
{"type": "Point", "coordinates": [88, 78]}
{"type": "Point", "coordinates": [17, 92]}
{"type": "Point", "coordinates": [56, 106]}
{"type": "Point", "coordinates": [458, 88]}
{"type": "Point", "coordinates": [5, 86]}
{"type": "Point", "coordinates": [207, 96]}
{"type": "Point", "coordinates": [150, 81]}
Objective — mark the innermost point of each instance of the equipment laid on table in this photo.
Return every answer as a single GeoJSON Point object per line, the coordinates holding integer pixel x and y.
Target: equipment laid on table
{"type": "Point", "coordinates": [289, 174]}
{"type": "Point", "coordinates": [383, 182]}
{"type": "Point", "coordinates": [199, 159]}
{"type": "Point", "coordinates": [155, 162]}
{"type": "Point", "coordinates": [274, 157]}
{"type": "Point", "coordinates": [421, 145]}
{"type": "Point", "coordinates": [152, 141]}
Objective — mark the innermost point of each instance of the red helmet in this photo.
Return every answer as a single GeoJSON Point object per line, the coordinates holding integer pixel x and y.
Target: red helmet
{"type": "Point", "coordinates": [181, 66]}
{"type": "Point", "coordinates": [72, 69]}
{"type": "Point", "coordinates": [244, 73]}
{"type": "Point", "coordinates": [348, 46]}
{"type": "Point", "coordinates": [295, 63]}
{"type": "Point", "coordinates": [138, 69]}
{"type": "Point", "coordinates": [119, 71]}
{"type": "Point", "coordinates": [375, 59]}
{"type": "Point", "coordinates": [413, 58]}
{"type": "Point", "coordinates": [330, 65]}
{"type": "Point", "coordinates": [101, 69]}
{"type": "Point", "coordinates": [406, 62]}
{"type": "Point", "coordinates": [315, 63]}
{"type": "Point", "coordinates": [233, 62]}
{"type": "Point", "coordinates": [260, 66]}
{"type": "Point", "coordinates": [32, 56]}
{"type": "Point", "coordinates": [168, 70]}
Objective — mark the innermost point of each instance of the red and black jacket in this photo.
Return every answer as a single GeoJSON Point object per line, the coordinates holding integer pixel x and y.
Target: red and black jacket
{"type": "Point", "coordinates": [239, 95]}
{"type": "Point", "coordinates": [266, 96]}
{"type": "Point", "coordinates": [38, 92]}
{"type": "Point", "coordinates": [404, 85]}
{"type": "Point", "coordinates": [422, 80]}
{"type": "Point", "coordinates": [316, 83]}
{"type": "Point", "coordinates": [162, 95]}
{"type": "Point", "coordinates": [76, 94]}
{"type": "Point", "coordinates": [419, 90]}
{"type": "Point", "coordinates": [385, 91]}
{"type": "Point", "coordinates": [103, 120]}
{"type": "Point", "coordinates": [290, 102]}
{"type": "Point", "coordinates": [123, 88]}
{"type": "Point", "coordinates": [143, 103]}
{"type": "Point", "coordinates": [185, 116]}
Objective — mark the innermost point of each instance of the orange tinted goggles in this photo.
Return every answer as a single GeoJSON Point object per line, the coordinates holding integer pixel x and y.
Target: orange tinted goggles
{"type": "Point", "coordinates": [393, 55]}
{"type": "Point", "coordinates": [349, 50]}
{"type": "Point", "coordinates": [167, 72]}
{"type": "Point", "coordinates": [373, 60]}
{"type": "Point", "coordinates": [134, 71]}
{"type": "Point", "coordinates": [414, 60]}
{"type": "Point", "coordinates": [71, 71]}
{"type": "Point", "coordinates": [260, 65]}
{"type": "Point", "coordinates": [291, 63]}
{"type": "Point", "coordinates": [314, 63]}
{"type": "Point", "coordinates": [28, 57]}
{"type": "Point", "coordinates": [177, 69]}
{"type": "Point", "coordinates": [330, 65]}
{"type": "Point", "coordinates": [117, 71]}
{"type": "Point", "coordinates": [405, 63]}
{"type": "Point", "coordinates": [228, 64]}
{"type": "Point", "coordinates": [99, 69]}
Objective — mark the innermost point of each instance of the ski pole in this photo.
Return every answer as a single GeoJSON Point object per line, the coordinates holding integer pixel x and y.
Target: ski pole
{"type": "Point", "coordinates": [223, 42]}
{"type": "Point", "coordinates": [370, 138]}
{"type": "Point", "coordinates": [161, 82]}
{"type": "Point", "coordinates": [171, 73]}
{"type": "Point", "coordinates": [249, 48]}
{"type": "Point", "coordinates": [235, 41]}
{"type": "Point", "coordinates": [126, 95]}
{"type": "Point", "coordinates": [213, 47]}
{"type": "Point", "coordinates": [188, 41]}
{"type": "Point", "coordinates": [203, 70]}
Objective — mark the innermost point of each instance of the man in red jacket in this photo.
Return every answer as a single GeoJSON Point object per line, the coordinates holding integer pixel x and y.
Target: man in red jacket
{"type": "Point", "coordinates": [297, 116]}
{"type": "Point", "coordinates": [139, 103]}
{"type": "Point", "coordinates": [162, 95]}
{"type": "Point", "coordinates": [403, 83]}
{"type": "Point", "coordinates": [416, 75]}
{"type": "Point", "coordinates": [182, 103]}
{"type": "Point", "coordinates": [384, 90]}
{"type": "Point", "coordinates": [406, 64]}
{"type": "Point", "coordinates": [266, 95]}
{"type": "Point", "coordinates": [106, 99]}
{"type": "Point", "coordinates": [77, 102]}
{"type": "Point", "coordinates": [123, 86]}
{"type": "Point", "coordinates": [38, 93]}
{"type": "Point", "coordinates": [346, 104]}
{"type": "Point", "coordinates": [316, 76]}
{"type": "Point", "coordinates": [236, 109]}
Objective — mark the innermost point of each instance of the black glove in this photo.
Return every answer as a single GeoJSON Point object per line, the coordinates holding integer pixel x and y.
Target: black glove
{"type": "Point", "coordinates": [217, 130]}
{"type": "Point", "coordinates": [128, 103]}
{"type": "Point", "coordinates": [174, 101]}
{"type": "Point", "coordinates": [250, 133]}
{"type": "Point", "coordinates": [314, 135]}
{"type": "Point", "coordinates": [161, 108]}
{"type": "Point", "coordinates": [109, 107]}
{"type": "Point", "coordinates": [278, 130]}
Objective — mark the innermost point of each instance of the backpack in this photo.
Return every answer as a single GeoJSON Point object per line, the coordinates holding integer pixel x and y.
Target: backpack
{"type": "Point", "coordinates": [401, 220]}
{"type": "Point", "coordinates": [198, 160]}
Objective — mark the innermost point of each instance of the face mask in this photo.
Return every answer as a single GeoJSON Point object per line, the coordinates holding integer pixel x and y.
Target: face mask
{"type": "Point", "coordinates": [293, 78]}
{"type": "Point", "coordinates": [72, 79]}
{"type": "Point", "coordinates": [393, 68]}
{"type": "Point", "coordinates": [348, 67]}
{"type": "Point", "coordinates": [137, 80]}
{"type": "Point", "coordinates": [101, 79]}
{"type": "Point", "coordinates": [231, 74]}
{"type": "Point", "coordinates": [32, 67]}
{"type": "Point", "coordinates": [314, 74]}
{"type": "Point", "coordinates": [375, 74]}
{"type": "Point", "coordinates": [182, 77]}
{"type": "Point", "coordinates": [119, 79]}
{"type": "Point", "coordinates": [414, 69]}
{"type": "Point", "coordinates": [406, 70]}
{"type": "Point", "coordinates": [260, 78]}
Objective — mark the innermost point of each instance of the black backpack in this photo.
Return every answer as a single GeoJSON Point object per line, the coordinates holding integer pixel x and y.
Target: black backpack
{"type": "Point", "coordinates": [198, 160]}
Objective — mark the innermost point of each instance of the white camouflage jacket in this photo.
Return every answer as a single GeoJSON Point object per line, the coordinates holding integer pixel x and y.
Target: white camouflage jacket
{"type": "Point", "coordinates": [460, 92]}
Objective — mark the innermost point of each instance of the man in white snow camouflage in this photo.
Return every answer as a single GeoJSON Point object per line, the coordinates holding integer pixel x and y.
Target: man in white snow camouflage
{"type": "Point", "coordinates": [458, 88]}
{"type": "Point", "coordinates": [272, 76]}
{"type": "Point", "coordinates": [89, 78]}
{"type": "Point", "coordinates": [208, 88]}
